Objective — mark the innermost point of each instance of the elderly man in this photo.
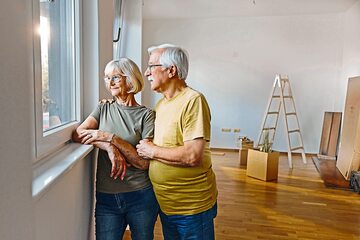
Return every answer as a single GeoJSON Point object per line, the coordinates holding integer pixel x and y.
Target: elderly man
{"type": "Point", "coordinates": [180, 169]}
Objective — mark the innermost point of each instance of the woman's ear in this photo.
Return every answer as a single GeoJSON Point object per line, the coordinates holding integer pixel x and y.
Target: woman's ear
{"type": "Point", "coordinates": [130, 87]}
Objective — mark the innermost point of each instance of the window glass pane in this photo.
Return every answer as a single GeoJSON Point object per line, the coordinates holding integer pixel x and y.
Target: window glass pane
{"type": "Point", "coordinates": [57, 62]}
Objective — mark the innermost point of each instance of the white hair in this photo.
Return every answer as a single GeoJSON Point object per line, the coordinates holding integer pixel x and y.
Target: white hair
{"type": "Point", "coordinates": [130, 70]}
{"type": "Point", "coordinates": [173, 55]}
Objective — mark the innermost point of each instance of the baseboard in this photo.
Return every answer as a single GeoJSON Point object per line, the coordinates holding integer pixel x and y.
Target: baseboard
{"type": "Point", "coordinates": [236, 150]}
{"type": "Point", "coordinates": [224, 149]}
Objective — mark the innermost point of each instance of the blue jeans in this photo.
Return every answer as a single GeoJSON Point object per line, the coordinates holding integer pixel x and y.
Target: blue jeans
{"type": "Point", "coordinates": [113, 212]}
{"type": "Point", "coordinates": [195, 227]}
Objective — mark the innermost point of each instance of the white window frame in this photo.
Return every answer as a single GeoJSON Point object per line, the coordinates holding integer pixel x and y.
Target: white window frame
{"type": "Point", "coordinates": [54, 139]}
{"type": "Point", "coordinates": [118, 28]}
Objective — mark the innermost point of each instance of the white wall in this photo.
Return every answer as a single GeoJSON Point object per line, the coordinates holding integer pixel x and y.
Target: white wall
{"type": "Point", "coordinates": [351, 52]}
{"type": "Point", "coordinates": [105, 42]}
{"type": "Point", "coordinates": [132, 30]}
{"type": "Point", "coordinates": [131, 37]}
{"type": "Point", "coordinates": [16, 121]}
{"type": "Point", "coordinates": [65, 210]}
{"type": "Point", "coordinates": [233, 61]}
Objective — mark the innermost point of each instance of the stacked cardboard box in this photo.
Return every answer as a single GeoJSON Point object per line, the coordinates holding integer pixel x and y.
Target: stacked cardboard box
{"type": "Point", "coordinates": [245, 145]}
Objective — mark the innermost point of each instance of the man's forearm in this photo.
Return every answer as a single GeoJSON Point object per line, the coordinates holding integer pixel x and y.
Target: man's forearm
{"type": "Point", "coordinates": [177, 156]}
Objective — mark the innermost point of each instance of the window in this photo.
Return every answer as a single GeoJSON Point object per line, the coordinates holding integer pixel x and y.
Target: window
{"type": "Point", "coordinates": [56, 61]}
{"type": "Point", "coordinates": [118, 28]}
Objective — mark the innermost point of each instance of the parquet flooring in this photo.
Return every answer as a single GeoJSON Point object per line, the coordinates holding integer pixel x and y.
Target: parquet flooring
{"type": "Point", "coordinates": [331, 176]}
{"type": "Point", "coordinates": [296, 206]}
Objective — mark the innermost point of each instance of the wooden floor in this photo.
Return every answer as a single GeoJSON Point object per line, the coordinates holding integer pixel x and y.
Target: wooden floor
{"type": "Point", "coordinates": [329, 173]}
{"type": "Point", "coordinates": [296, 206]}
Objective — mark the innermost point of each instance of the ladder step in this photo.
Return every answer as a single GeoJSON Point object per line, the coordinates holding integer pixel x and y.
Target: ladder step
{"type": "Point", "coordinates": [269, 128]}
{"type": "Point", "coordinates": [273, 112]}
{"type": "Point", "coordinates": [290, 113]}
{"type": "Point", "coordinates": [294, 130]}
{"type": "Point", "coordinates": [278, 96]}
{"type": "Point", "coordinates": [296, 148]}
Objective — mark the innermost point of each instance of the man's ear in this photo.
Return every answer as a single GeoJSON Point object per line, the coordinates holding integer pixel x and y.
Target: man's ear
{"type": "Point", "coordinates": [172, 71]}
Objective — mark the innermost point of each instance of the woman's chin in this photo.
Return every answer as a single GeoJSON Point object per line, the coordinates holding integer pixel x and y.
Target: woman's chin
{"type": "Point", "coordinates": [115, 92]}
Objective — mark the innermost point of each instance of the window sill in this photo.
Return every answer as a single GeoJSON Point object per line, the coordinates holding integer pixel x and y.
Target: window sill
{"type": "Point", "coordinates": [55, 166]}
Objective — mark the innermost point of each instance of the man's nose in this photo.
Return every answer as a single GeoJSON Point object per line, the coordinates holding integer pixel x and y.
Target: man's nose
{"type": "Point", "coordinates": [147, 72]}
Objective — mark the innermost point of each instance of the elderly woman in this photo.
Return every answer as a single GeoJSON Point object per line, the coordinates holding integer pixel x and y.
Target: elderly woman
{"type": "Point", "coordinates": [124, 194]}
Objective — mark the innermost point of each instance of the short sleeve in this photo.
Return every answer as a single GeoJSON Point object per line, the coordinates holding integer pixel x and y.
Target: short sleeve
{"type": "Point", "coordinates": [196, 119]}
{"type": "Point", "coordinates": [148, 125]}
{"type": "Point", "coordinates": [96, 112]}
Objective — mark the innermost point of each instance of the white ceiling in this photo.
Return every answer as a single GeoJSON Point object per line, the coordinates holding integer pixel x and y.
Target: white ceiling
{"type": "Point", "coordinates": [159, 9]}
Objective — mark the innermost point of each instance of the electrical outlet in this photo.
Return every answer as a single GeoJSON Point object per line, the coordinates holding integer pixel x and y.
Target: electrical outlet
{"type": "Point", "coordinates": [236, 130]}
{"type": "Point", "coordinates": [226, 129]}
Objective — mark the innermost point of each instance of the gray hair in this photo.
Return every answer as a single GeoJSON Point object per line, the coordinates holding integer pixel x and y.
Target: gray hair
{"type": "Point", "coordinates": [173, 55]}
{"type": "Point", "coordinates": [130, 70]}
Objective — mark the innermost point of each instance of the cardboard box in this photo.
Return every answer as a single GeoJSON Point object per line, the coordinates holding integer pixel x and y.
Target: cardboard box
{"type": "Point", "coordinates": [243, 151]}
{"type": "Point", "coordinates": [243, 156]}
{"type": "Point", "coordinates": [262, 165]}
{"type": "Point", "coordinates": [246, 144]}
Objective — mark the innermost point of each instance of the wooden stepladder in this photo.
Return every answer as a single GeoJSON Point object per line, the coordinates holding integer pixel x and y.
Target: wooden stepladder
{"type": "Point", "coordinates": [282, 98]}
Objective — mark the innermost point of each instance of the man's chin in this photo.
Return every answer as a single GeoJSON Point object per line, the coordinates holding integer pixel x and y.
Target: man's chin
{"type": "Point", "coordinates": [155, 89]}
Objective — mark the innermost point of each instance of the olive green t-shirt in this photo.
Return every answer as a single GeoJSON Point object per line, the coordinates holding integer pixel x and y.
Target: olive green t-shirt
{"type": "Point", "coordinates": [131, 124]}
{"type": "Point", "coordinates": [183, 190]}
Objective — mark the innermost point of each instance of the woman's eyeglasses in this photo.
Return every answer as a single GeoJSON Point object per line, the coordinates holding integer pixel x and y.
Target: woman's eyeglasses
{"type": "Point", "coordinates": [114, 79]}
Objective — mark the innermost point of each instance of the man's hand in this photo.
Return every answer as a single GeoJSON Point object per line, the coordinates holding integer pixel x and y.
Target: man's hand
{"type": "Point", "coordinates": [89, 136]}
{"type": "Point", "coordinates": [146, 149]}
{"type": "Point", "coordinates": [118, 163]}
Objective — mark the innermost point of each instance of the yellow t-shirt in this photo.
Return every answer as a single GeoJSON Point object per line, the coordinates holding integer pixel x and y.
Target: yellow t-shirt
{"type": "Point", "coordinates": [183, 190]}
